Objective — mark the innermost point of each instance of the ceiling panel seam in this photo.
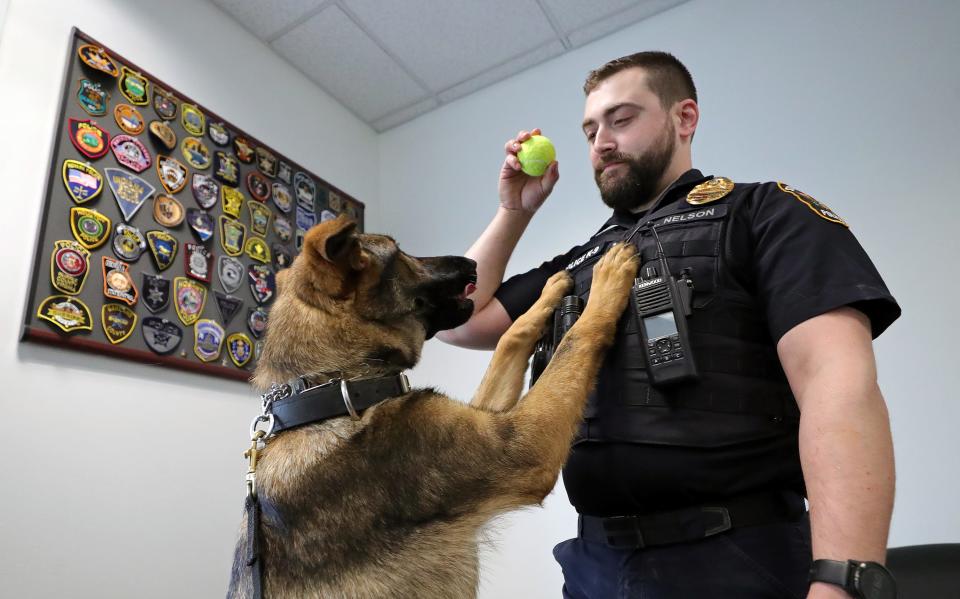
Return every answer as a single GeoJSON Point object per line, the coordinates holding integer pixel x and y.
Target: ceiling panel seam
{"type": "Point", "coordinates": [376, 40]}
{"type": "Point", "coordinates": [407, 107]}
{"type": "Point", "coordinates": [561, 35]}
{"type": "Point", "coordinates": [298, 21]}
{"type": "Point", "coordinates": [497, 66]}
{"type": "Point", "coordinates": [627, 23]}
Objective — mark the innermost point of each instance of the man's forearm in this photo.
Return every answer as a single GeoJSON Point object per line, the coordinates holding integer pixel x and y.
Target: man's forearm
{"type": "Point", "coordinates": [492, 251]}
{"type": "Point", "coordinates": [847, 455]}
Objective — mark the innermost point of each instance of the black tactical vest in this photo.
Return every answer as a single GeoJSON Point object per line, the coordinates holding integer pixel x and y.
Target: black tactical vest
{"type": "Point", "coordinates": [742, 394]}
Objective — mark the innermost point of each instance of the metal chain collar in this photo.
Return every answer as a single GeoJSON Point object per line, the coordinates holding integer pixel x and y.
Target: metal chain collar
{"type": "Point", "coordinates": [259, 435]}
{"type": "Point", "coordinates": [276, 392]}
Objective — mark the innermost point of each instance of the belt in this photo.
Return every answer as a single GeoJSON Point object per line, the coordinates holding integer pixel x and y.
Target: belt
{"type": "Point", "coordinates": [692, 523]}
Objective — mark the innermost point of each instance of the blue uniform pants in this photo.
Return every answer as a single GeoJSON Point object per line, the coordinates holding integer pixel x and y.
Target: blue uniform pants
{"type": "Point", "coordinates": [754, 562]}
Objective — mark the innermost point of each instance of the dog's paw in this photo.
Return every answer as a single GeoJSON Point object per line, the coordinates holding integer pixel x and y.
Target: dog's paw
{"type": "Point", "coordinates": [613, 276]}
{"type": "Point", "coordinates": [556, 287]}
{"type": "Point", "coordinates": [533, 323]}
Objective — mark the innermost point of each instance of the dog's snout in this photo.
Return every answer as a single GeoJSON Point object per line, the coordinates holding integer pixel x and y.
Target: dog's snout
{"type": "Point", "coordinates": [449, 265]}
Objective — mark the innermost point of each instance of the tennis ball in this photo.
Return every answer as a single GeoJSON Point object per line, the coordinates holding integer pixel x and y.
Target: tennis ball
{"type": "Point", "coordinates": [535, 155]}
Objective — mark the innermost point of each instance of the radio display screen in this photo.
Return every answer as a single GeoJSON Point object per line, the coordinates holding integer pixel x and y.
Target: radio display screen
{"type": "Point", "coordinates": [660, 325]}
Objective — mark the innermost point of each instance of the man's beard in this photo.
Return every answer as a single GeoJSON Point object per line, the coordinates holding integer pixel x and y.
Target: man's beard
{"type": "Point", "coordinates": [638, 186]}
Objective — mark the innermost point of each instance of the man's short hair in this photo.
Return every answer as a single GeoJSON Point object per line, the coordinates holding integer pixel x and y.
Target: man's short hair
{"type": "Point", "coordinates": [666, 76]}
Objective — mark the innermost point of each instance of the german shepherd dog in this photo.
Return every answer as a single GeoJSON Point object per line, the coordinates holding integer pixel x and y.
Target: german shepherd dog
{"type": "Point", "coordinates": [391, 505]}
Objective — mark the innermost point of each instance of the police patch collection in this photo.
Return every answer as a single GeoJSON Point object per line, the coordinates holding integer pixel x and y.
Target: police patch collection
{"type": "Point", "coordinates": [149, 172]}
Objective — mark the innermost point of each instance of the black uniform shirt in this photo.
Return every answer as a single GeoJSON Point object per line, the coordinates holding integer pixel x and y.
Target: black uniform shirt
{"type": "Point", "coordinates": [801, 261]}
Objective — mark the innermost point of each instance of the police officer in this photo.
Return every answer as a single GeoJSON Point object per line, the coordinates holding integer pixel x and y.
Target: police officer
{"type": "Point", "coordinates": [696, 490]}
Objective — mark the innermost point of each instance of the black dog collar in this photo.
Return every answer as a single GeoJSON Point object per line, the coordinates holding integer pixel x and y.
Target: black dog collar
{"type": "Point", "coordinates": [298, 403]}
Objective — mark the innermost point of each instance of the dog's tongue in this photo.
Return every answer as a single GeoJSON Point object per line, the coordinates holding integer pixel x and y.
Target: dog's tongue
{"type": "Point", "coordinates": [470, 288]}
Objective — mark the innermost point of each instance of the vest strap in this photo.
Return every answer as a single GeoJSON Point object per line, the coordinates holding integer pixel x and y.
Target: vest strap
{"type": "Point", "coordinates": [777, 406]}
{"type": "Point", "coordinates": [758, 364]}
{"type": "Point", "coordinates": [678, 249]}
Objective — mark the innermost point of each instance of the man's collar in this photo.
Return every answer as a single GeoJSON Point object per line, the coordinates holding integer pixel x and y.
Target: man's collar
{"type": "Point", "coordinates": [626, 219]}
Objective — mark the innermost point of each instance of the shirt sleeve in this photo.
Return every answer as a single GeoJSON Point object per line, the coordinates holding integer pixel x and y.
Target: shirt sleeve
{"type": "Point", "coordinates": [807, 262]}
{"type": "Point", "coordinates": [520, 291]}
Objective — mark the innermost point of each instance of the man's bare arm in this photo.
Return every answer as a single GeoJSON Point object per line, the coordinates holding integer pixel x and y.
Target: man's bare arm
{"type": "Point", "coordinates": [846, 448]}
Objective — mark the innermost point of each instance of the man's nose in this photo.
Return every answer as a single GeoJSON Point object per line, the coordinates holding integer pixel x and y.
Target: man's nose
{"type": "Point", "coordinates": [604, 142]}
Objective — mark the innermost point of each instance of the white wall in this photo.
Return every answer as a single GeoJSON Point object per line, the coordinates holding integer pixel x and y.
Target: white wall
{"type": "Point", "coordinates": [119, 479]}
{"type": "Point", "coordinates": [852, 102]}
{"type": "Point", "coordinates": [3, 14]}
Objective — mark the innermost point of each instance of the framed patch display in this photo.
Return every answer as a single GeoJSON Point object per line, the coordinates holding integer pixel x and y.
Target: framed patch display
{"type": "Point", "coordinates": [163, 225]}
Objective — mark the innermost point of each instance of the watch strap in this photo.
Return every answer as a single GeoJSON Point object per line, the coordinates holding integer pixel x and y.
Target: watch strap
{"type": "Point", "coordinates": [832, 572]}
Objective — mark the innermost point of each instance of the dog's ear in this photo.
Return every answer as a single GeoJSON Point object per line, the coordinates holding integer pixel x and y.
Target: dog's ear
{"type": "Point", "coordinates": [335, 241]}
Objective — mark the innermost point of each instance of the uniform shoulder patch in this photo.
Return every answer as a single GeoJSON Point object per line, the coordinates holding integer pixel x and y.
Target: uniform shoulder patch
{"type": "Point", "coordinates": [819, 208]}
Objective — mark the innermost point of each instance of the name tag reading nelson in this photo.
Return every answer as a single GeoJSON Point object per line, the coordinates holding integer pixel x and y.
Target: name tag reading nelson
{"type": "Point", "coordinates": [712, 212]}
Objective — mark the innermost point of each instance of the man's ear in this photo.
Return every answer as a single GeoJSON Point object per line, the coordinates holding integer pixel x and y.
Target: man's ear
{"type": "Point", "coordinates": [336, 241]}
{"type": "Point", "coordinates": [687, 115]}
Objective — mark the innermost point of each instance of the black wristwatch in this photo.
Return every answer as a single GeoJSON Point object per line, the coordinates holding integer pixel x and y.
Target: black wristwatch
{"type": "Point", "coordinates": [863, 580]}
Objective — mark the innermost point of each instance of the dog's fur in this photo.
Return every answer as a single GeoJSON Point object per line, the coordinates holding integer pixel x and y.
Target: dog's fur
{"type": "Point", "coordinates": [391, 505]}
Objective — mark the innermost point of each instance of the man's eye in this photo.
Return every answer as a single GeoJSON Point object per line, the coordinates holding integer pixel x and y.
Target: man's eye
{"type": "Point", "coordinates": [590, 136]}
{"type": "Point", "coordinates": [622, 121]}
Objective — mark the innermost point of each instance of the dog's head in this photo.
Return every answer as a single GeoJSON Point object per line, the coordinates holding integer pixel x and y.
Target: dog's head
{"type": "Point", "coordinates": [352, 299]}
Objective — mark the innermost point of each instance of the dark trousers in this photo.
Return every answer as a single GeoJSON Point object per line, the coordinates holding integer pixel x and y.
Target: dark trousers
{"type": "Point", "coordinates": [754, 562]}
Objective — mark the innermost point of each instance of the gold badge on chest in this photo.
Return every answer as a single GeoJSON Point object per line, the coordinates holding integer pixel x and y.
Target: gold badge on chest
{"type": "Point", "coordinates": [710, 191]}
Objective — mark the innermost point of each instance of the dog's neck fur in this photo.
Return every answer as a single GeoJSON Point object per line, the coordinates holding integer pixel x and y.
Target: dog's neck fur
{"type": "Point", "coordinates": [322, 367]}
{"type": "Point", "coordinates": [363, 371]}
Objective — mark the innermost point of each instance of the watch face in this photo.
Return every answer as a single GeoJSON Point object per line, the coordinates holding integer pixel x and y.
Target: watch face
{"type": "Point", "coordinates": [874, 582]}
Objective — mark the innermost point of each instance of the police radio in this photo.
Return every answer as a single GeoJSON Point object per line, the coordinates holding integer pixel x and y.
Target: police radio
{"type": "Point", "coordinates": [563, 320]}
{"type": "Point", "coordinates": [661, 305]}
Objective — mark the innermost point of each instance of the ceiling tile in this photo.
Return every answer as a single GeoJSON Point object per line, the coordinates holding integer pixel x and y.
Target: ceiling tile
{"type": "Point", "coordinates": [446, 43]}
{"type": "Point", "coordinates": [404, 114]}
{"type": "Point", "coordinates": [617, 21]}
{"type": "Point", "coordinates": [573, 14]}
{"type": "Point", "coordinates": [265, 18]}
{"type": "Point", "coordinates": [331, 50]}
{"type": "Point", "coordinates": [391, 61]}
{"type": "Point", "coordinates": [518, 64]}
